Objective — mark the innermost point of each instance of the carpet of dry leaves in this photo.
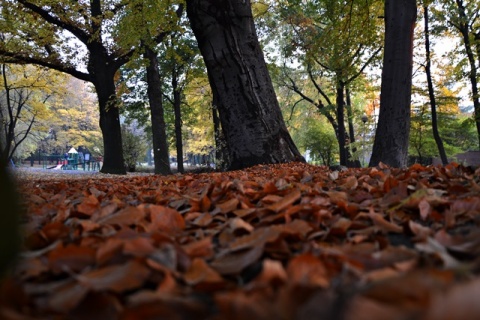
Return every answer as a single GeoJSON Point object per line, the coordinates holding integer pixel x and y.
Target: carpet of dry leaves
{"type": "Point", "coordinates": [289, 241]}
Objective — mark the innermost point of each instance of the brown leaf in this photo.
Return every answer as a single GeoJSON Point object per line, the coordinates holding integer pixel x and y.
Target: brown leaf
{"type": "Point", "coordinates": [125, 217]}
{"type": "Point", "coordinates": [460, 302]}
{"type": "Point", "coordinates": [165, 219]}
{"type": "Point", "coordinates": [70, 258]}
{"type": "Point", "coordinates": [138, 247]}
{"type": "Point", "coordinates": [383, 224]}
{"type": "Point", "coordinates": [68, 297]}
{"type": "Point", "coordinates": [425, 209]}
{"type": "Point", "coordinates": [350, 183]}
{"type": "Point", "coordinates": [89, 205]}
{"type": "Point", "coordinates": [286, 201]}
{"type": "Point", "coordinates": [233, 263]}
{"type": "Point", "coordinates": [307, 270]}
{"type": "Point", "coordinates": [201, 275]}
{"type": "Point", "coordinates": [199, 249]}
{"type": "Point", "coordinates": [421, 232]}
{"type": "Point", "coordinates": [228, 206]}
{"type": "Point", "coordinates": [116, 278]}
{"type": "Point", "coordinates": [109, 249]}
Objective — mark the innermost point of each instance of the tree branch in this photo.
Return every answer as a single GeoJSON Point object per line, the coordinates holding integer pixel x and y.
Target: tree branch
{"type": "Point", "coordinates": [19, 58]}
{"type": "Point", "coordinates": [46, 15]}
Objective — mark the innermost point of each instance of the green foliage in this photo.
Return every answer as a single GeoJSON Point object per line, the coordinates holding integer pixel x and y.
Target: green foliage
{"type": "Point", "coordinates": [134, 147]}
{"type": "Point", "coordinates": [457, 132]}
{"type": "Point", "coordinates": [319, 140]}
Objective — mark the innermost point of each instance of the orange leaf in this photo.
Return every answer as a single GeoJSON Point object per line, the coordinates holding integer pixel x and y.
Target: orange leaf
{"type": "Point", "coordinates": [89, 205]}
{"type": "Point", "coordinates": [165, 219]}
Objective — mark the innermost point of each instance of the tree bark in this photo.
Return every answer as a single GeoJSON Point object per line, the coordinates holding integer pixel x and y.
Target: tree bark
{"type": "Point", "coordinates": [342, 137]}
{"type": "Point", "coordinates": [221, 152]}
{"type": "Point", "coordinates": [248, 108]}
{"type": "Point", "coordinates": [177, 109]}
{"type": "Point", "coordinates": [351, 132]}
{"type": "Point", "coordinates": [159, 136]}
{"type": "Point", "coordinates": [101, 69]}
{"type": "Point", "coordinates": [431, 92]}
{"type": "Point", "coordinates": [392, 136]}
{"type": "Point", "coordinates": [102, 73]}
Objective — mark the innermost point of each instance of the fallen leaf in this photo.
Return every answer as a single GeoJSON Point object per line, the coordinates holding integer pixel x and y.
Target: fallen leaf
{"type": "Point", "coordinates": [286, 201]}
{"type": "Point", "coordinates": [70, 258]}
{"type": "Point", "coordinates": [307, 270]}
{"type": "Point", "coordinates": [125, 217]}
{"type": "Point", "coordinates": [116, 278]}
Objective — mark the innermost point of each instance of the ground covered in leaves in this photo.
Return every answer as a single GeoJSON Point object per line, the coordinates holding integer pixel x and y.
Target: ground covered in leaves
{"type": "Point", "coordinates": [272, 242]}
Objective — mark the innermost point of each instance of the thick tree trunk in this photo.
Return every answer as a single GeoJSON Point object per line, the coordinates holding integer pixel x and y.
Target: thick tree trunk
{"type": "Point", "coordinates": [249, 112]}
{"type": "Point", "coordinates": [431, 92]}
{"type": "Point", "coordinates": [177, 109]}
{"type": "Point", "coordinates": [103, 80]}
{"type": "Point", "coordinates": [392, 136]}
{"type": "Point", "coordinates": [159, 136]}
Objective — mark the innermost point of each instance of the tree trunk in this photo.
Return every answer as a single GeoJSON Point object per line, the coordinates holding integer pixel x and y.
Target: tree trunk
{"type": "Point", "coordinates": [342, 137]}
{"type": "Point", "coordinates": [463, 27]}
{"type": "Point", "coordinates": [431, 92]}
{"type": "Point", "coordinates": [177, 109]}
{"type": "Point", "coordinates": [249, 112]}
{"type": "Point", "coordinates": [102, 72]}
{"type": "Point", "coordinates": [391, 139]}
{"type": "Point", "coordinates": [9, 220]}
{"type": "Point", "coordinates": [351, 132]}
{"type": "Point", "coordinates": [221, 152]}
{"type": "Point", "coordinates": [159, 136]}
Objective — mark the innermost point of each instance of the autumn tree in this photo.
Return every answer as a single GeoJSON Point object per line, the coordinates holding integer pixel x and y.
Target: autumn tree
{"type": "Point", "coordinates": [72, 120]}
{"type": "Point", "coordinates": [75, 38]}
{"type": "Point", "coordinates": [463, 17]}
{"type": "Point", "coordinates": [139, 27]}
{"type": "Point", "coordinates": [333, 43]}
{"type": "Point", "coordinates": [251, 120]}
{"type": "Point", "coordinates": [49, 33]}
{"type": "Point", "coordinates": [24, 93]}
{"type": "Point", "coordinates": [391, 140]}
{"type": "Point", "coordinates": [431, 91]}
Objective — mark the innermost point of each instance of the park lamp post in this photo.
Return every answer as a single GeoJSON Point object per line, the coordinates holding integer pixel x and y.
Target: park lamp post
{"type": "Point", "coordinates": [364, 120]}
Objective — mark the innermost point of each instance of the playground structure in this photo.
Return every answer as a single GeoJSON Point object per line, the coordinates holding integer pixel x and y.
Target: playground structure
{"type": "Point", "coordinates": [72, 160]}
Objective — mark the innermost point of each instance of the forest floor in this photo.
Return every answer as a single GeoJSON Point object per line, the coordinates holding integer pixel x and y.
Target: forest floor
{"type": "Point", "coordinates": [290, 241]}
